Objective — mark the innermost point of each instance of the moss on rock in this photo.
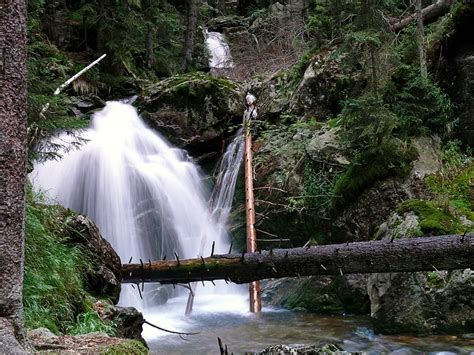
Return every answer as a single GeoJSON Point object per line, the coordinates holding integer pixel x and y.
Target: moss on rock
{"type": "Point", "coordinates": [129, 347]}
{"type": "Point", "coordinates": [432, 219]}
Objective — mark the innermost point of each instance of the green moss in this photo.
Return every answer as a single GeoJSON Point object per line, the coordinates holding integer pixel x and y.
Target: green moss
{"type": "Point", "coordinates": [432, 219]}
{"type": "Point", "coordinates": [391, 159]}
{"type": "Point", "coordinates": [315, 299]}
{"type": "Point", "coordinates": [129, 347]}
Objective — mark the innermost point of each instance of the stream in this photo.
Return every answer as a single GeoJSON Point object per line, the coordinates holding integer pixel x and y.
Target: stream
{"type": "Point", "coordinates": [227, 317]}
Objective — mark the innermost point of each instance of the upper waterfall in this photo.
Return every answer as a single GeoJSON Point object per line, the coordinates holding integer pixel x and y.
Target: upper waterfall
{"type": "Point", "coordinates": [219, 51]}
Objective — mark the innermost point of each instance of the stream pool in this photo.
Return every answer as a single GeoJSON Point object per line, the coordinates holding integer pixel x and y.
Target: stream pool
{"type": "Point", "coordinates": [226, 316]}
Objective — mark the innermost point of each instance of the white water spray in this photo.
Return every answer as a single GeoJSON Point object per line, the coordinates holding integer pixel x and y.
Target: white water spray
{"type": "Point", "coordinates": [220, 57]}
{"type": "Point", "coordinates": [147, 198]}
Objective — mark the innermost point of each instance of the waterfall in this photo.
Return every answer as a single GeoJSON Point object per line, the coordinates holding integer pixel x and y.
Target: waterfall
{"type": "Point", "coordinates": [147, 198]}
{"type": "Point", "coordinates": [220, 57]}
{"type": "Point", "coordinates": [224, 189]}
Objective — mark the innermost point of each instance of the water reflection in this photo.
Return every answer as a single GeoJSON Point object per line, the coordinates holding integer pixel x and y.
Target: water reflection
{"type": "Point", "coordinates": [248, 333]}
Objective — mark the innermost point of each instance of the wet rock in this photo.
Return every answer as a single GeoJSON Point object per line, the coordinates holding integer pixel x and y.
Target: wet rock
{"type": "Point", "coordinates": [319, 294]}
{"type": "Point", "coordinates": [302, 349]}
{"type": "Point", "coordinates": [128, 320]}
{"type": "Point", "coordinates": [194, 110]}
{"type": "Point", "coordinates": [104, 277]}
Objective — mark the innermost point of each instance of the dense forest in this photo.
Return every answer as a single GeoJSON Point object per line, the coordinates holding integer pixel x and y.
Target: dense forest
{"type": "Point", "coordinates": [365, 131]}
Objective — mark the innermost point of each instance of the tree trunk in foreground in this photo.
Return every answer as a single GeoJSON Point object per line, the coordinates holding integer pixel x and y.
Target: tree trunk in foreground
{"type": "Point", "coordinates": [12, 171]}
{"type": "Point", "coordinates": [448, 252]}
{"type": "Point", "coordinates": [428, 13]}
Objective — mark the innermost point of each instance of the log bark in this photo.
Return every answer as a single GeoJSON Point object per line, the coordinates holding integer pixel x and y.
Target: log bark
{"type": "Point", "coordinates": [12, 170]}
{"type": "Point", "coordinates": [448, 252]}
{"type": "Point", "coordinates": [254, 287]}
{"type": "Point", "coordinates": [429, 13]}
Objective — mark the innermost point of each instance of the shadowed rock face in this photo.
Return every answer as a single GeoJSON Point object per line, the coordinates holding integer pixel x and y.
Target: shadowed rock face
{"type": "Point", "coordinates": [456, 69]}
{"type": "Point", "coordinates": [104, 277]}
{"type": "Point", "coordinates": [194, 111]}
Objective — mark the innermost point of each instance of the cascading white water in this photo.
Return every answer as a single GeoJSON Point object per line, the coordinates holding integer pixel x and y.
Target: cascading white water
{"type": "Point", "coordinates": [219, 51]}
{"type": "Point", "coordinates": [147, 198]}
{"type": "Point", "coordinates": [224, 189]}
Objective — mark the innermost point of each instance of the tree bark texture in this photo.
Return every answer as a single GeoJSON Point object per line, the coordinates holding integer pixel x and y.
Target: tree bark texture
{"type": "Point", "coordinates": [254, 287]}
{"type": "Point", "coordinates": [429, 13]}
{"type": "Point", "coordinates": [12, 163]}
{"type": "Point", "coordinates": [448, 252]}
{"type": "Point", "coordinates": [420, 31]}
{"type": "Point", "coordinates": [191, 24]}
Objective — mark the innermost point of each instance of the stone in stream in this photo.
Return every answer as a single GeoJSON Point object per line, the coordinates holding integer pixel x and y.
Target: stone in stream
{"type": "Point", "coordinates": [303, 349]}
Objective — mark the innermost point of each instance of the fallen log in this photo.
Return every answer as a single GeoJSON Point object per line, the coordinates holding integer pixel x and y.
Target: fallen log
{"type": "Point", "coordinates": [447, 252]}
{"type": "Point", "coordinates": [429, 13]}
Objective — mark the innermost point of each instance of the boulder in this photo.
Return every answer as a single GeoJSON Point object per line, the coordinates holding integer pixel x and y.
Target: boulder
{"type": "Point", "coordinates": [219, 24]}
{"type": "Point", "coordinates": [319, 294]}
{"type": "Point", "coordinates": [323, 86]}
{"type": "Point", "coordinates": [360, 220]}
{"type": "Point", "coordinates": [103, 277]}
{"type": "Point", "coordinates": [193, 110]}
{"type": "Point", "coordinates": [422, 302]}
{"type": "Point", "coordinates": [127, 320]}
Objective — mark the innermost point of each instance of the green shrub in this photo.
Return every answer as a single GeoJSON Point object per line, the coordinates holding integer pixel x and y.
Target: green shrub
{"type": "Point", "coordinates": [54, 293]}
{"type": "Point", "coordinates": [90, 322]}
{"type": "Point", "coordinates": [419, 103]}
{"type": "Point", "coordinates": [390, 159]}
{"type": "Point", "coordinates": [367, 121]}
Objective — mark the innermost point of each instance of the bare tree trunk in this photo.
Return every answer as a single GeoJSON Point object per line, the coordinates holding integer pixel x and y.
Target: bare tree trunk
{"type": "Point", "coordinates": [421, 39]}
{"type": "Point", "coordinates": [254, 287]}
{"type": "Point", "coordinates": [100, 26]}
{"type": "Point", "coordinates": [191, 24]}
{"type": "Point", "coordinates": [449, 252]}
{"type": "Point", "coordinates": [429, 13]}
{"type": "Point", "coordinates": [12, 171]}
{"type": "Point", "coordinates": [150, 47]}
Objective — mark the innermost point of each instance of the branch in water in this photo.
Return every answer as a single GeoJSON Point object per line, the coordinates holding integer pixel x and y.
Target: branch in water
{"type": "Point", "coordinates": [166, 330]}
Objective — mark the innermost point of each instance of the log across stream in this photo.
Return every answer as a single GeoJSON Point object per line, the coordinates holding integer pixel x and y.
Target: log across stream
{"type": "Point", "coordinates": [447, 252]}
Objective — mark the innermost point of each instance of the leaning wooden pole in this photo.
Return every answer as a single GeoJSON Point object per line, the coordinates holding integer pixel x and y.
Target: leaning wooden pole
{"type": "Point", "coordinates": [254, 287]}
{"type": "Point", "coordinates": [449, 252]}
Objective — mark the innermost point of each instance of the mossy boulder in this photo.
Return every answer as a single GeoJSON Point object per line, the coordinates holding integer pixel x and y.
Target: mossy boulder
{"type": "Point", "coordinates": [323, 85]}
{"type": "Point", "coordinates": [193, 110]}
{"type": "Point", "coordinates": [432, 219]}
{"type": "Point", "coordinates": [422, 302]}
{"type": "Point", "coordinates": [319, 294]}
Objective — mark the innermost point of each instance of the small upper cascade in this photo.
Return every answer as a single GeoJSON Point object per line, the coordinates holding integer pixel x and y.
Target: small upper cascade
{"type": "Point", "coordinates": [219, 51]}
